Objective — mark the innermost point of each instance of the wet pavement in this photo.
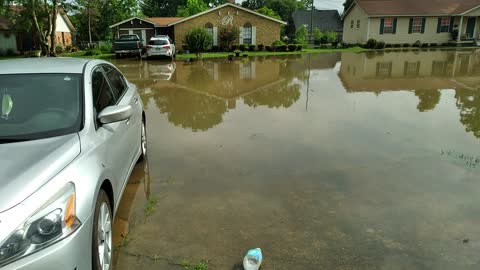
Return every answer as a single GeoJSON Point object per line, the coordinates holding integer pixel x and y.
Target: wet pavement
{"type": "Point", "coordinates": [329, 161]}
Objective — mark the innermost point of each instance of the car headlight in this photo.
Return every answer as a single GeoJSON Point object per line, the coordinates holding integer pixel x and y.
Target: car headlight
{"type": "Point", "coordinates": [53, 221]}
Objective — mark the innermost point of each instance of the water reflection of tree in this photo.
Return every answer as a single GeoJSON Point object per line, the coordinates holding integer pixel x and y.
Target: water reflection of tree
{"type": "Point", "coordinates": [428, 99]}
{"type": "Point", "coordinates": [189, 109]}
{"type": "Point", "coordinates": [468, 101]}
{"type": "Point", "coordinates": [274, 97]}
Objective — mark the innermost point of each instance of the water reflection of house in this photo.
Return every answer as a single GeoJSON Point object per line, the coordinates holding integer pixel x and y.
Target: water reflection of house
{"type": "Point", "coordinates": [424, 73]}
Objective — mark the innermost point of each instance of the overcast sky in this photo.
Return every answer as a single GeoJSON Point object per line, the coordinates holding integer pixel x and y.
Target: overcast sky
{"type": "Point", "coordinates": [325, 4]}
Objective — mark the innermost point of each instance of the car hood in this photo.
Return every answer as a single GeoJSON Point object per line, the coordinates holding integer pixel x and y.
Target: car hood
{"type": "Point", "coordinates": [26, 166]}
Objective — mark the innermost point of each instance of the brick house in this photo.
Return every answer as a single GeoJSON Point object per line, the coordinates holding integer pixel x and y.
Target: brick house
{"type": "Point", "coordinates": [18, 40]}
{"type": "Point", "coordinates": [408, 21]}
{"type": "Point", "coordinates": [255, 28]}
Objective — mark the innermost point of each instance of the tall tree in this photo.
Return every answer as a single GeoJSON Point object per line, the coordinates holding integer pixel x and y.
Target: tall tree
{"type": "Point", "coordinates": [284, 8]}
{"type": "Point", "coordinates": [347, 4]}
{"type": "Point", "coordinates": [269, 12]}
{"type": "Point", "coordinates": [161, 8]}
{"type": "Point", "coordinates": [192, 7]}
{"type": "Point", "coordinates": [253, 4]}
{"type": "Point", "coordinates": [215, 3]}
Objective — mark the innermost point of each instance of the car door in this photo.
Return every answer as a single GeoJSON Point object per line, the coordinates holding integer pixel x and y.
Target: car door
{"type": "Point", "coordinates": [127, 95]}
{"type": "Point", "coordinates": [113, 136]}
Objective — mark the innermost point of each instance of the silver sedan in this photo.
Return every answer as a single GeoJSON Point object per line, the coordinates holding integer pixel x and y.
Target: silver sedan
{"type": "Point", "coordinates": [71, 132]}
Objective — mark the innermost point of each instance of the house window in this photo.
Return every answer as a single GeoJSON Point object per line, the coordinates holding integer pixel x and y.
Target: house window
{"type": "Point", "coordinates": [247, 33]}
{"type": "Point", "coordinates": [439, 68]}
{"type": "Point", "coordinates": [209, 28]}
{"type": "Point", "coordinates": [388, 26]}
{"type": "Point", "coordinates": [412, 69]}
{"type": "Point", "coordinates": [417, 25]}
{"type": "Point", "coordinates": [351, 24]}
{"type": "Point", "coordinates": [384, 70]}
{"type": "Point", "coordinates": [445, 24]}
{"type": "Point", "coordinates": [358, 23]}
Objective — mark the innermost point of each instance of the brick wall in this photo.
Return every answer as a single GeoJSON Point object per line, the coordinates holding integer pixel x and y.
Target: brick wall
{"type": "Point", "coordinates": [267, 31]}
{"type": "Point", "coordinates": [63, 39]}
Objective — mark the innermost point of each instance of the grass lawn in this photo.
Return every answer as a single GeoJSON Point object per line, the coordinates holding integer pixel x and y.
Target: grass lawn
{"type": "Point", "coordinates": [265, 53]}
{"type": "Point", "coordinates": [81, 54]}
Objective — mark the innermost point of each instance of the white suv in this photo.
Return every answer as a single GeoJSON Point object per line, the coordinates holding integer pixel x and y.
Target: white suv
{"type": "Point", "coordinates": [160, 46]}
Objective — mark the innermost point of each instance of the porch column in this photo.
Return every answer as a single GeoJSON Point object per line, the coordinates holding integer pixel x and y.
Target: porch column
{"type": "Point", "coordinates": [460, 26]}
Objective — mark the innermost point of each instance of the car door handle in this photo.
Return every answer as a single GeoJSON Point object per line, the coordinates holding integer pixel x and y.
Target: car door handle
{"type": "Point", "coordinates": [135, 99]}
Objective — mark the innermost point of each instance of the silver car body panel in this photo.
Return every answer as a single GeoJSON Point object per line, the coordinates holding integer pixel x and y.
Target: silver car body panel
{"type": "Point", "coordinates": [94, 156]}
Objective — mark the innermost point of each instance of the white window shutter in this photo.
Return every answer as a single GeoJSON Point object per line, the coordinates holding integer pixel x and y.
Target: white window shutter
{"type": "Point", "coordinates": [215, 36]}
{"type": "Point", "coordinates": [241, 36]}
{"type": "Point", "coordinates": [254, 35]}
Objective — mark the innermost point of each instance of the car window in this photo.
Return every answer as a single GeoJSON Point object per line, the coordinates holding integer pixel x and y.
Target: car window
{"type": "Point", "coordinates": [36, 106]}
{"type": "Point", "coordinates": [119, 86]}
{"type": "Point", "coordinates": [158, 42]}
{"type": "Point", "coordinates": [128, 37]}
{"type": "Point", "coordinates": [101, 92]}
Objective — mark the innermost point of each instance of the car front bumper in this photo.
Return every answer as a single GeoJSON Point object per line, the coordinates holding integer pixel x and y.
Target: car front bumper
{"type": "Point", "coordinates": [128, 51]}
{"type": "Point", "coordinates": [72, 253]}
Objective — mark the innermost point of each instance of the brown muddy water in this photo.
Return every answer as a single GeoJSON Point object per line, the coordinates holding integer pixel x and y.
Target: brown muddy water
{"type": "Point", "coordinates": [331, 161]}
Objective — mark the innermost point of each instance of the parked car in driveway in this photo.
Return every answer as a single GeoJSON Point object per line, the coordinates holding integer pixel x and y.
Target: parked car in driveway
{"type": "Point", "coordinates": [71, 132]}
{"type": "Point", "coordinates": [160, 46]}
{"type": "Point", "coordinates": [128, 45]}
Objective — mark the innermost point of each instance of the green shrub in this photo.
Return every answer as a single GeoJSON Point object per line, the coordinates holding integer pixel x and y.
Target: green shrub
{"type": "Point", "coordinates": [345, 45]}
{"type": "Point", "coordinates": [242, 47]}
{"type": "Point", "coordinates": [227, 35]}
{"type": "Point", "coordinates": [397, 45]}
{"type": "Point", "coordinates": [11, 52]}
{"type": "Point", "coordinates": [292, 47]}
{"type": "Point", "coordinates": [215, 48]}
{"type": "Point", "coordinates": [445, 44]}
{"type": "Point", "coordinates": [235, 47]}
{"type": "Point", "coordinates": [92, 52]}
{"type": "Point", "coordinates": [106, 48]}
{"type": "Point", "coordinates": [282, 48]}
{"type": "Point", "coordinates": [251, 48]}
{"type": "Point", "coordinates": [68, 48]}
{"type": "Point", "coordinates": [424, 45]}
{"type": "Point", "coordinates": [388, 45]}
{"type": "Point", "coordinates": [380, 45]}
{"type": "Point", "coordinates": [198, 40]}
{"type": "Point", "coordinates": [417, 44]}
{"type": "Point", "coordinates": [59, 49]}
{"type": "Point", "coordinates": [260, 47]}
{"type": "Point", "coordinates": [299, 47]}
{"type": "Point", "coordinates": [335, 44]}
{"type": "Point", "coordinates": [270, 48]}
{"type": "Point", "coordinates": [330, 36]}
{"type": "Point", "coordinates": [317, 36]}
{"type": "Point", "coordinates": [301, 35]}
{"type": "Point", "coordinates": [278, 43]}
{"type": "Point", "coordinates": [3, 52]}
{"type": "Point", "coordinates": [371, 44]}
{"type": "Point", "coordinates": [406, 45]}
{"type": "Point", "coordinates": [184, 47]}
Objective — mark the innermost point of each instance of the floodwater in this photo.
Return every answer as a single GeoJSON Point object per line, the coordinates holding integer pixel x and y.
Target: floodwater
{"type": "Point", "coordinates": [330, 161]}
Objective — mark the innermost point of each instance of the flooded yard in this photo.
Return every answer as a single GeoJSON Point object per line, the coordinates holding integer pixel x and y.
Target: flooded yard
{"type": "Point", "coordinates": [329, 161]}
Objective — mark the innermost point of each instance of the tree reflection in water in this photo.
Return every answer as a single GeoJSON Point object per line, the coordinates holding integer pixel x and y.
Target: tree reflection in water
{"type": "Point", "coordinates": [189, 109]}
{"type": "Point", "coordinates": [274, 97]}
{"type": "Point", "coordinates": [428, 99]}
{"type": "Point", "coordinates": [468, 101]}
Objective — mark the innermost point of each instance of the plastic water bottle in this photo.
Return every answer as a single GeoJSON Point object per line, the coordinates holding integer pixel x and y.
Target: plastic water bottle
{"type": "Point", "coordinates": [253, 259]}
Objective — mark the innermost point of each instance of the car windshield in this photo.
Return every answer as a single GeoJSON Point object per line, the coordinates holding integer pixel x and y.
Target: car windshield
{"type": "Point", "coordinates": [129, 37]}
{"type": "Point", "coordinates": [158, 42]}
{"type": "Point", "coordinates": [36, 106]}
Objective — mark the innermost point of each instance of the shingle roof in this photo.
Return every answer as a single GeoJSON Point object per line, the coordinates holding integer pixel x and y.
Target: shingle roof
{"type": "Point", "coordinates": [416, 7]}
{"type": "Point", "coordinates": [325, 20]}
{"type": "Point", "coordinates": [163, 21]}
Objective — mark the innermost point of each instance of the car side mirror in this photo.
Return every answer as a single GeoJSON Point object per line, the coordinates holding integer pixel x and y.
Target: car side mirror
{"type": "Point", "coordinates": [112, 114]}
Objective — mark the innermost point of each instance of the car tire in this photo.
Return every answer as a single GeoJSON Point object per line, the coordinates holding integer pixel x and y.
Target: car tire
{"type": "Point", "coordinates": [102, 250]}
{"type": "Point", "coordinates": [143, 141]}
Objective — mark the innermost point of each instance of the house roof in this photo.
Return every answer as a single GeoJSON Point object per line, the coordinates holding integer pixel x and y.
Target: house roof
{"type": "Point", "coordinates": [165, 21]}
{"type": "Point", "coordinates": [416, 7]}
{"type": "Point", "coordinates": [67, 20]}
{"type": "Point", "coordinates": [226, 5]}
{"type": "Point", "coordinates": [5, 23]}
{"type": "Point", "coordinates": [156, 21]}
{"type": "Point", "coordinates": [325, 20]}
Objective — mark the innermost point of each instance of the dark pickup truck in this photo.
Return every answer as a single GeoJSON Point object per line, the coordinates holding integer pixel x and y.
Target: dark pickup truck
{"type": "Point", "coordinates": [130, 45]}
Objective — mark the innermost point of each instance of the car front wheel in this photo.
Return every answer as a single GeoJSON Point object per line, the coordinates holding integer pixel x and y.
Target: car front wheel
{"type": "Point", "coordinates": [143, 141]}
{"type": "Point", "coordinates": [102, 233]}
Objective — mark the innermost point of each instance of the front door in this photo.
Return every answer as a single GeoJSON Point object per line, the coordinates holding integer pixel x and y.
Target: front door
{"type": "Point", "coordinates": [470, 27]}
